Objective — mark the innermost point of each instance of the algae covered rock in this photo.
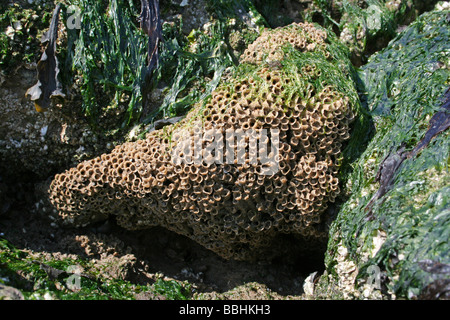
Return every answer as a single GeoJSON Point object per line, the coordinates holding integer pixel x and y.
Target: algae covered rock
{"type": "Point", "coordinates": [367, 26]}
{"type": "Point", "coordinates": [390, 238]}
{"type": "Point", "coordinates": [257, 159]}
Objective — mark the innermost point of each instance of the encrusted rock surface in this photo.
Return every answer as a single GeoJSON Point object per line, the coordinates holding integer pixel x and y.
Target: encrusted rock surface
{"type": "Point", "coordinates": [35, 145]}
{"type": "Point", "coordinates": [232, 207]}
{"type": "Point", "coordinates": [390, 238]}
{"type": "Point", "coordinates": [10, 293]}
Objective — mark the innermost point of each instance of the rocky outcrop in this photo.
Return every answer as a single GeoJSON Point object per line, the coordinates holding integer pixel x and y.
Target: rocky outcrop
{"type": "Point", "coordinates": [390, 238]}
{"type": "Point", "coordinates": [10, 293]}
{"type": "Point", "coordinates": [290, 103]}
{"type": "Point", "coordinates": [35, 145]}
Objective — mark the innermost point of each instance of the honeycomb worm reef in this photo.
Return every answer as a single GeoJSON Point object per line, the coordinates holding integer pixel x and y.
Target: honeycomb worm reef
{"type": "Point", "coordinates": [284, 85]}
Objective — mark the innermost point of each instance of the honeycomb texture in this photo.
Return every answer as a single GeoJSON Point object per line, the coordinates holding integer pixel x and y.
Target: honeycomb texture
{"type": "Point", "coordinates": [269, 46]}
{"type": "Point", "coordinates": [234, 209]}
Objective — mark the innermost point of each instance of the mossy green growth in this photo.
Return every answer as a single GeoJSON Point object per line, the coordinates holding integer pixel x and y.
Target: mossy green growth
{"type": "Point", "coordinates": [39, 279]}
{"type": "Point", "coordinates": [407, 228]}
{"type": "Point", "coordinates": [367, 26]}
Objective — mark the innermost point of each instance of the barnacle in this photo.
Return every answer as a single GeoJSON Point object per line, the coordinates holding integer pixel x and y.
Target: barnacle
{"type": "Point", "coordinates": [229, 198]}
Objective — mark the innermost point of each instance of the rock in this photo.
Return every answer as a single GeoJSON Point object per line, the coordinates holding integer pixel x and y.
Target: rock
{"type": "Point", "coordinates": [34, 145]}
{"type": "Point", "coordinates": [389, 226]}
{"type": "Point", "coordinates": [194, 14]}
{"type": "Point", "coordinates": [5, 203]}
{"type": "Point", "coordinates": [367, 26]}
{"type": "Point", "coordinates": [234, 207]}
{"type": "Point", "coordinates": [10, 293]}
{"type": "Point", "coordinates": [308, 285]}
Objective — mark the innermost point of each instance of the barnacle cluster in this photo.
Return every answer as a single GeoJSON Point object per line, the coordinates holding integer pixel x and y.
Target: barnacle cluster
{"type": "Point", "coordinates": [230, 202]}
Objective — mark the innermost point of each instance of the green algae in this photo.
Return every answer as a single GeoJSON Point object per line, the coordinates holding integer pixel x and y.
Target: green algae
{"type": "Point", "coordinates": [108, 57]}
{"type": "Point", "coordinates": [199, 60]}
{"type": "Point", "coordinates": [404, 85]}
{"type": "Point", "coordinates": [367, 26]}
{"type": "Point", "coordinates": [59, 280]}
{"type": "Point", "coordinates": [190, 66]}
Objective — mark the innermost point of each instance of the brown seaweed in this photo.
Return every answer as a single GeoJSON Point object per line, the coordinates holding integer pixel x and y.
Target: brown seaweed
{"type": "Point", "coordinates": [385, 175]}
{"type": "Point", "coordinates": [434, 266]}
{"type": "Point", "coordinates": [438, 289]}
{"type": "Point", "coordinates": [48, 85]}
{"type": "Point", "coordinates": [438, 123]}
{"type": "Point", "coordinates": [159, 124]}
{"type": "Point", "coordinates": [151, 24]}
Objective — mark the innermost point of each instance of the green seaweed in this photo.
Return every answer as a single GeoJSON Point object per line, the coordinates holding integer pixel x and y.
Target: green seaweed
{"type": "Point", "coordinates": [172, 290]}
{"type": "Point", "coordinates": [197, 62]}
{"type": "Point", "coordinates": [404, 85]}
{"type": "Point", "coordinates": [211, 59]}
{"type": "Point", "coordinates": [109, 58]}
{"type": "Point", "coordinates": [39, 280]}
{"type": "Point", "coordinates": [367, 26]}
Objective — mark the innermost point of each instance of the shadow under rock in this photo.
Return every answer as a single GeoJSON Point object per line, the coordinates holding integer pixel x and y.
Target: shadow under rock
{"type": "Point", "coordinates": [162, 251]}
